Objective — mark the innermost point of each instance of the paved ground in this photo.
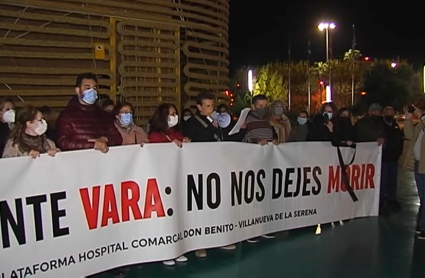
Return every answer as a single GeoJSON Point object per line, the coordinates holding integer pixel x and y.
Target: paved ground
{"type": "Point", "coordinates": [373, 247]}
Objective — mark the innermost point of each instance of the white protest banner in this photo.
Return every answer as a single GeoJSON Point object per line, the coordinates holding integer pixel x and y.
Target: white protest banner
{"type": "Point", "coordinates": [84, 212]}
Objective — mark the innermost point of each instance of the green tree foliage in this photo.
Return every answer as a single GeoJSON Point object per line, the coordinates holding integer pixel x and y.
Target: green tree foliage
{"type": "Point", "coordinates": [269, 81]}
{"type": "Point", "coordinates": [350, 54]}
{"type": "Point", "coordinates": [389, 86]}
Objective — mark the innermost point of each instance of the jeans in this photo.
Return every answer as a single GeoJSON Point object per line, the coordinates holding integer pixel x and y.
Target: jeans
{"type": "Point", "coordinates": [420, 184]}
{"type": "Point", "coordinates": [389, 173]}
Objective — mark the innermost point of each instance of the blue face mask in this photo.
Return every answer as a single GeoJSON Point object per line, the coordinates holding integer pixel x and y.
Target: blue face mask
{"type": "Point", "coordinates": [89, 96]}
{"type": "Point", "coordinates": [126, 119]}
{"type": "Point", "coordinates": [302, 121]}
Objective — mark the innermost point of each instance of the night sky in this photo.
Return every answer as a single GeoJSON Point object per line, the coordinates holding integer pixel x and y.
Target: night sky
{"type": "Point", "coordinates": [259, 29]}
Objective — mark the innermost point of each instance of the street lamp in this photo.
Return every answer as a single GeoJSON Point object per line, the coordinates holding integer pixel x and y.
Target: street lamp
{"type": "Point", "coordinates": [393, 65]}
{"type": "Point", "coordinates": [250, 81]}
{"type": "Point", "coordinates": [328, 26]}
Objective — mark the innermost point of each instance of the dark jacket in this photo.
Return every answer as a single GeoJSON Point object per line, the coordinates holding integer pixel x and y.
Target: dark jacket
{"type": "Point", "coordinates": [345, 130]}
{"type": "Point", "coordinates": [318, 131]}
{"type": "Point", "coordinates": [79, 123]}
{"type": "Point", "coordinates": [369, 129]}
{"type": "Point", "coordinates": [393, 147]}
{"type": "Point", "coordinates": [4, 135]}
{"type": "Point", "coordinates": [299, 134]}
{"type": "Point", "coordinates": [237, 137]}
{"type": "Point", "coordinates": [197, 132]}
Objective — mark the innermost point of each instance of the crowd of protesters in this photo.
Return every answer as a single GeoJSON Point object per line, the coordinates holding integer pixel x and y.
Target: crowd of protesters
{"type": "Point", "coordinates": [84, 124]}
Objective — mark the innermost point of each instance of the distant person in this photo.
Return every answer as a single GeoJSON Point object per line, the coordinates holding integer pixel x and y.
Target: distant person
{"type": "Point", "coordinates": [391, 152]}
{"type": "Point", "coordinates": [299, 133]}
{"type": "Point", "coordinates": [187, 114]}
{"type": "Point", "coordinates": [7, 120]}
{"type": "Point", "coordinates": [84, 125]}
{"type": "Point", "coordinates": [108, 105]}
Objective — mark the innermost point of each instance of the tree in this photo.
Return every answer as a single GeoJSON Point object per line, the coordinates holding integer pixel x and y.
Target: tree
{"type": "Point", "coordinates": [350, 54]}
{"type": "Point", "coordinates": [389, 86]}
{"type": "Point", "coordinates": [269, 82]}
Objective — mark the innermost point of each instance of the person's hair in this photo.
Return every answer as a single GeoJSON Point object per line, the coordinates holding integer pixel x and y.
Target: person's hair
{"type": "Point", "coordinates": [331, 105]}
{"type": "Point", "coordinates": [3, 102]}
{"type": "Point", "coordinates": [258, 98]}
{"type": "Point", "coordinates": [304, 112]}
{"type": "Point", "coordinates": [26, 114]}
{"type": "Point", "coordinates": [160, 118]}
{"type": "Point", "coordinates": [204, 95]}
{"type": "Point", "coordinates": [420, 103]}
{"type": "Point", "coordinates": [221, 106]}
{"type": "Point", "coordinates": [278, 101]}
{"type": "Point", "coordinates": [82, 76]}
{"type": "Point", "coordinates": [342, 110]}
{"type": "Point", "coordinates": [122, 104]}
{"type": "Point", "coordinates": [106, 102]}
{"type": "Point", "coordinates": [187, 110]}
{"type": "Point", "coordinates": [374, 107]}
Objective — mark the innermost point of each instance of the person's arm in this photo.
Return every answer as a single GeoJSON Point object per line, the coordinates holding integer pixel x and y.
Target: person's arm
{"type": "Point", "coordinates": [65, 136]}
{"type": "Point", "coordinates": [157, 137]}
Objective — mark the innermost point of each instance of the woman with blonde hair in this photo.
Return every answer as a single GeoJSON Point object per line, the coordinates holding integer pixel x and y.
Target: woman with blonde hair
{"type": "Point", "coordinates": [28, 136]}
{"type": "Point", "coordinates": [279, 121]}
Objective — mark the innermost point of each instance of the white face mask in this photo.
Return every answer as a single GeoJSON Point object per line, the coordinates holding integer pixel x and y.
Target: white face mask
{"type": "Point", "coordinates": [41, 128]}
{"type": "Point", "coordinates": [9, 116]}
{"type": "Point", "coordinates": [185, 118]}
{"type": "Point", "coordinates": [173, 121]}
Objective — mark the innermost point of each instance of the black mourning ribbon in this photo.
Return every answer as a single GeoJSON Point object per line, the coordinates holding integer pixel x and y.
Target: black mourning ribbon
{"type": "Point", "coordinates": [344, 175]}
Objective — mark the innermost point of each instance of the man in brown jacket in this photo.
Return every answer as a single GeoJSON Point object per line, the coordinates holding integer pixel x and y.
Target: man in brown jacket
{"type": "Point", "coordinates": [415, 133]}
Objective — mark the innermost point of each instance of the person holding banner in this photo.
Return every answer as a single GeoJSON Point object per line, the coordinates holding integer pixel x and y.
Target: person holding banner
{"type": "Point", "coordinates": [258, 127]}
{"type": "Point", "coordinates": [203, 128]}
{"type": "Point", "coordinates": [28, 136]}
{"type": "Point", "coordinates": [130, 132]}
{"type": "Point", "coordinates": [84, 125]}
{"type": "Point", "coordinates": [259, 131]}
{"type": "Point", "coordinates": [164, 127]}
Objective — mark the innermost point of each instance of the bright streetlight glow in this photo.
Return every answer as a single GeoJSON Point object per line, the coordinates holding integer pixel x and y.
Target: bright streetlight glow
{"type": "Point", "coordinates": [328, 94]}
{"type": "Point", "coordinates": [250, 81]}
{"type": "Point", "coordinates": [393, 65]}
{"type": "Point", "coordinates": [325, 25]}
